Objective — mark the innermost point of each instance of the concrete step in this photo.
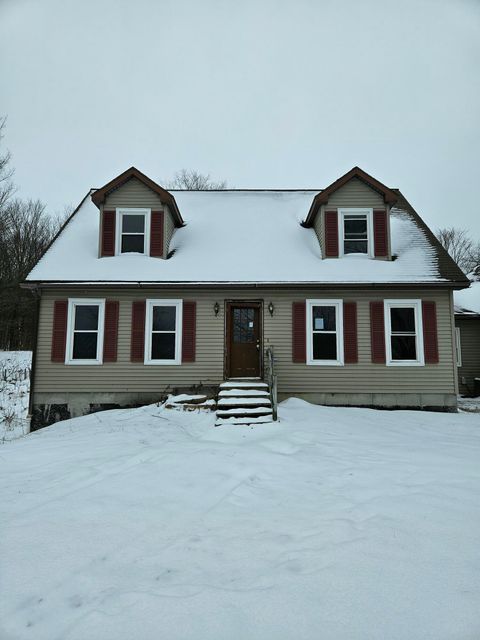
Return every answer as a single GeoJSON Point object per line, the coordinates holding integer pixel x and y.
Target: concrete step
{"type": "Point", "coordinates": [244, 421]}
{"type": "Point", "coordinates": [247, 393]}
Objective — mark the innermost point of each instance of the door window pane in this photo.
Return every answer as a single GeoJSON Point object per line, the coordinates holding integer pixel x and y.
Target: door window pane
{"type": "Point", "coordinates": [243, 324]}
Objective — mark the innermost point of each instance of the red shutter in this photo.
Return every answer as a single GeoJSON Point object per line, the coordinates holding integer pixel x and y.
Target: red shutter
{"type": "Point", "coordinates": [350, 347]}
{"type": "Point", "coordinates": [59, 331]}
{"type": "Point", "coordinates": [331, 234]}
{"type": "Point", "coordinates": [156, 234]}
{"type": "Point", "coordinates": [430, 339]}
{"type": "Point", "coordinates": [110, 333]}
{"type": "Point", "coordinates": [377, 332]}
{"type": "Point", "coordinates": [380, 234]}
{"type": "Point", "coordinates": [137, 345]}
{"type": "Point", "coordinates": [299, 332]}
{"type": "Point", "coordinates": [189, 330]}
{"type": "Point", "coordinates": [108, 233]}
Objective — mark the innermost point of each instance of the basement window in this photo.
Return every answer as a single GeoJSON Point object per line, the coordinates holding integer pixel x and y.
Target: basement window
{"type": "Point", "coordinates": [85, 331]}
{"type": "Point", "coordinates": [133, 226]}
{"type": "Point", "coordinates": [163, 327]}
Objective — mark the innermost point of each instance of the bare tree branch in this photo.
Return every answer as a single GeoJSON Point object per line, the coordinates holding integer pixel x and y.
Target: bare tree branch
{"type": "Point", "coordinates": [192, 180]}
{"type": "Point", "coordinates": [460, 246]}
{"type": "Point", "coordinates": [7, 187]}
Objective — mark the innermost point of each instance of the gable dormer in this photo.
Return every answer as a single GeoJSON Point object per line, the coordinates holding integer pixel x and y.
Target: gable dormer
{"type": "Point", "coordinates": [137, 216]}
{"type": "Point", "coordinates": [352, 216]}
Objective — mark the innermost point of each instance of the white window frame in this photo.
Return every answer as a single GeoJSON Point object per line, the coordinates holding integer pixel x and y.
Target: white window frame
{"type": "Point", "coordinates": [72, 304]}
{"type": "Point", "coordinates": [125, 211]}
{"type": "Point", "coordinates": [329, 302]}
{"type": "Point", "coordinates": [416, 305]}
{"type": "Point", "coordinates": [368, 212]}
{"type": "Point", "coordinates": [178, 304]}
{"type": "Point", "coordinates": [458, 347]}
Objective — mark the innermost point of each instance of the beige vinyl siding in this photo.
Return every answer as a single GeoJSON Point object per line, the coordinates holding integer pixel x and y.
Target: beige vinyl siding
{"type": "Point", "coordinates": [363, 377]}
{"type": "Point", "coordinates": [133, 194]}
{"type": "Point", "coordinates": [356, 193]}
{"type": "Point", "coordinates": [319, 227]}
{"type": "Point", "coordinates": [470, 347]}
{"type": "Point", "coordinates": [169, 230]}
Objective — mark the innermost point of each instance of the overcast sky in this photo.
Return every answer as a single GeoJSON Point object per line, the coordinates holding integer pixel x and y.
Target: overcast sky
{"type": "Point", "coordinates": [262, 93]}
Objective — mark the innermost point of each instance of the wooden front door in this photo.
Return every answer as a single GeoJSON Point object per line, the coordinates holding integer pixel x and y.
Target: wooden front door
{"type": "Point", "coordinates": [244, 340]}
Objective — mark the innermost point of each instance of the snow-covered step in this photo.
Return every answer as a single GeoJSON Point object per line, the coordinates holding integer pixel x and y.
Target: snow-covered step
{"type": "Point", "coordinates": [248, 393]}
{"type": "Point", "coordinates": [243, 410]}
{"type": "Point", "coordinates": [245, 421]}
{"type": "Point", "coordinates": [243, 384]}
{"type": "Point", "coordinates": [242, 401]}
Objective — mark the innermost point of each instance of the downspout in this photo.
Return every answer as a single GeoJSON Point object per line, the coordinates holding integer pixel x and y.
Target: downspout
{"type": "Point", "coordinates": [36, 292]}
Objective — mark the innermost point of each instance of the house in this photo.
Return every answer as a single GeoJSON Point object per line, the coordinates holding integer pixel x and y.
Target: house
{"type": "Point", "coordinates": [467, 334]}
{"type": "Point", "coordinates": [146, 291]}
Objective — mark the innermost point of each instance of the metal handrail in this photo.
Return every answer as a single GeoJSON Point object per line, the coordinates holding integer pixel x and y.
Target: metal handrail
{"type": "Point", "coordinates": [272, 380]}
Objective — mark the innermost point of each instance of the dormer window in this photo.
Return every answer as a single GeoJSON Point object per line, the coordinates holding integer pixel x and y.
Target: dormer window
{"type": "Point", "coordinates": [133, 226]}
{"type": "Point", "coordinates": [355, 231]}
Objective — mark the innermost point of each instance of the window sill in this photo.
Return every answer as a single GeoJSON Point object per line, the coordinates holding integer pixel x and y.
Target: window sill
{"type": "Point", "coordinates": [162, 363]}
{"type": "Point", "coordinates": [404, 363]}
{"type": "Point", "coordinates": [325, 363]}
{"type": "Point", "coordinates": [83, 362]}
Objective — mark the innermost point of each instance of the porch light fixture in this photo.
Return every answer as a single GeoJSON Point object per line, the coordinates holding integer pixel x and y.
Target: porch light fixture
{"type": "Point", "coordinates": [216, 308]}
{"type": "Point", "coordinates": [271, 309]}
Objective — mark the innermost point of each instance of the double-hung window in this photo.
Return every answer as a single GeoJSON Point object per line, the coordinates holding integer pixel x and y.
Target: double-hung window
{"type": "Point", "coordinates": [355, 231]}
{"type": "Point", "coordinates": [403, 332]}
{"type": "Point", "coordinates": [324, 332]}
{"type": "Point", "coordinates": [133, 230]}
{"type": "Point", "coordinates": [163, 327]}
{"type": "Point", "coordinates": [85, 331]}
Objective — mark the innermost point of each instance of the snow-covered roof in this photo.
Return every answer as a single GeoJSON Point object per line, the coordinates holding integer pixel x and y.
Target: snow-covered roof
{"type": "Point", "coordinates": [467, 301]}
{"type": "Point", "coordinates": [238, 236]}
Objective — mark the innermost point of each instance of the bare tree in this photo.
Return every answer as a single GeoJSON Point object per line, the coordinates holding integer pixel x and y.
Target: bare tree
{"type": "Point", "coordinates": [192, 180]}
{"type": "Point", "coordinates": [25, 232]}
{"type": "Point", "coordinates": [7, 187]}
{"type": "Point", "coordinates": [459, 245]}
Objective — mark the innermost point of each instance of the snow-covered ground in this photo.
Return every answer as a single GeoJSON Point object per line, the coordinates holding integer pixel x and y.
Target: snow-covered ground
{"type": "Point", "coordinates": [332, 524]}
{"type": "Point", "coordinates": [14, 390]}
